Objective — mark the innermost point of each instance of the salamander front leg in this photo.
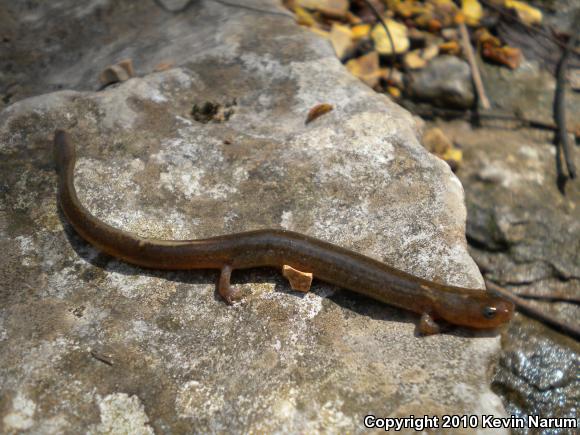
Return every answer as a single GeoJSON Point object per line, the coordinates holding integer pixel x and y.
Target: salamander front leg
{"type": "Point", "coordinates": [427, 325]}
{"type": "Point", "coordinates": [224, 288]}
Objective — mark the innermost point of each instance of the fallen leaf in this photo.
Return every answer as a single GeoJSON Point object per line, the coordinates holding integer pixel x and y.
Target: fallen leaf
{"type": "Point", "coordinates": [299, 280]}
{"type": "Point", "coordinates": [526, 13]}
{"type": "Point", "coordinates": [331, 8]}
{"type": "Point", "coordinates": [341, 39]}
{"type": "Point", "coordinates": [472, 11]}
{"type": "Point", "coordinates": [450, 47]}
{"type": "Point", "coordinates": [436, 142]}
{"type": "Point", "coordinates": [413, 60]}
{"type": "Point", "coordinates": [360, 31]}
{"type": "Point", "coordinates": [304, 18]}
{"type": "Point", "coordinates": [317, 111]}
{"type": "Point", "coordinates": [509, 56]}
{"type": "Point", "coordinates": [398, 32]}
{"type": "Point", "coordinates": [393, 91]}
{"type": "Point", "coordinates": [366, 68]}
{"type": "Point", "coordinates": [484, 37]}
{"type": "Point", "coordinates": [430, 52]}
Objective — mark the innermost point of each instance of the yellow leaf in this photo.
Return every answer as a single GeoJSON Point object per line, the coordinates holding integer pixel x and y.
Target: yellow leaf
{"type": "Point", "coordinates": [304, 17]}
{"type": "Point", "coordinates": [398, 32]}
{"type": "Point", "coordinates": [366, 68]}
{"type": "Point", "coordinates": [341, 39]}
{"type": "Point", "coordinates": [453, 154]}
{"type": "Point", "coordinates": [332, 8]}
{"type": "Point", "coordinates": [360, 31]}
{"type": "Point", "coordinates": [472, 11]}
{"type": "Point", "coordinates": [526, 13]}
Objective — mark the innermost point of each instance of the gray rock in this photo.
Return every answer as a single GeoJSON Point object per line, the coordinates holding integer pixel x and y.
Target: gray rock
{"type": "Point", "coordinates": [87, 342]}
{"type": "Point", "coordinates": [444, 82]}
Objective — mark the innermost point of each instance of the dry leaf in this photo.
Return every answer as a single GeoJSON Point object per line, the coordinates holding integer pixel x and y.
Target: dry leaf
{"type": "Point", "coordinates": [360, 31]}
{"type": "Point", "coordinates": [509, 56]}
{"type": "Point", "coordinates": [331, 8]}
{"type": "Point", "coordinates": [526, 13]}
{"type": "Point", "coordinates": [450, 47]}
{"type": "Point", "coordinates": [472, 12]}
{"type": "Point", "coordinates": [366, 68]}
{"type": "Point", "coordinates": [413, 60]}
{"type": "Point", "coordinates": [484, 37]}
{"type": "Point", "coordinates": [398, 32]}
{"type": "Point", "coordinates": [436, 142]}
{"type": "Point", "coordinates": [393, 91]}
{"type": "Point", "coordinates": [298, 280]}
{"type": "Point", "coordinates": [317, 111]}
{"type": "Point", "coordinates": [304, 18]}
{"type": "Point", "coordinates": [341, 39]}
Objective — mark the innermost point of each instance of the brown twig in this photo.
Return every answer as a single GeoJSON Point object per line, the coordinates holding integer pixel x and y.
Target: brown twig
{"type": "Point", "coordinates": [391, 40]}
{"type": "Point", "coordinates": [102, 358]}
{"type": "Point", "coordinates": [491, 115]}
{"type": "Point", "coordinates": [560, 99]}
{"type": "Point", "coordinates": [476, 76]}
{"type": "Point", "coordinates": [551, 298]}
{"type": "Point", "coordinates": [528, 309]}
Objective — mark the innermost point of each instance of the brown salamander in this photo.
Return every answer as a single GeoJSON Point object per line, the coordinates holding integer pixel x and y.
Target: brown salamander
{"type": "Point", "coordinates": [275, 248]}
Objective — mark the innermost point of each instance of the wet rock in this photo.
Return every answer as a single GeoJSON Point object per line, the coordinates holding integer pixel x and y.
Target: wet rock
{"type": "Point", "coordinates": [444, 82]}
{"type": "Point", "coordinates": [538, 373]}
{"type": "Point", "coordinates": [87, 341]}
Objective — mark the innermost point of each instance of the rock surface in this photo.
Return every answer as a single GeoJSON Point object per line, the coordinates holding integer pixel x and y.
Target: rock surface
{"type": "Point", "coordinates": [525, 234]}
{"type": "Point", "coordinates": [444, 82]}
{"type": "Point", "coordinates": [87, 342]}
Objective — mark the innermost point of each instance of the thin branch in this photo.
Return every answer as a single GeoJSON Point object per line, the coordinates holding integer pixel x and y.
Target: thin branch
{"type": "Point", "coordinates": [560, 99]}
{"type": "Point", "coordinates": [528, 309]}
{"type": "Point", "coordinates": [391, 40]}
{"type": "Point", "coordinates": [552, 297]}
{"type": "Point", "coordinates": [477, 82]}
{"type": "Point", "coordinates": [491, 115]}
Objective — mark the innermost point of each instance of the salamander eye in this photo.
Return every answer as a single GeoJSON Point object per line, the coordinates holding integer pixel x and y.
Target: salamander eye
{"type": "Point", "coordinates": [489, 312]}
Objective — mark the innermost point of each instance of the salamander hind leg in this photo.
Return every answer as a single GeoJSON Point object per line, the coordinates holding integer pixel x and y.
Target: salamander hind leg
{"type": "Point", "coordinates": [427, 325]}
{"type": "Point", "coordinates": [225, 290]}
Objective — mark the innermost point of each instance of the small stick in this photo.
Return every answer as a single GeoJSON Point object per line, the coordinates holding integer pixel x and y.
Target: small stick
{"type": "Point", "coordinates": [551, 298]}
{"type": "Point", "coordinates": [491, 115]}
{"type": "Point", "coordinates": [478, 83]}
{"type": "Point", "coordinates": [560, 99]}
{"type": "Point", "coordinates": [101, 358]}
{"type": "Point", "coordinates": [528, 309]}
{"type": "Point", "coordinates": [391, 40]}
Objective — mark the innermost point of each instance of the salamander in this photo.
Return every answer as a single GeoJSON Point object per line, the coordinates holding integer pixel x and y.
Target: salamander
{"type": "Point", "coordinates": [333, 264]}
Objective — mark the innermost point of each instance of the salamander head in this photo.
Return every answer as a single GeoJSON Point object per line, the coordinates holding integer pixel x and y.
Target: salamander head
{"type": "Point", "coordinates": [476, 310]}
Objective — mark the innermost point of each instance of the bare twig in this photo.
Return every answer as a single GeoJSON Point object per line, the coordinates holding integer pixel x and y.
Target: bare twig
{"type": "Point", "coordinates": [477, 82]}
{"type": "Point", "coordinates": [391, 40]}
{"type": "Point", "coordinates": [434, 112]}
{"type": "Point", "coordinates": [560, 99]}
{"type": "Point", "coordinates": [556, 297]}
{"type": "Point", "coordinates": [102, 358]}
{"type": "Point", "coordinates": [528, 309]}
